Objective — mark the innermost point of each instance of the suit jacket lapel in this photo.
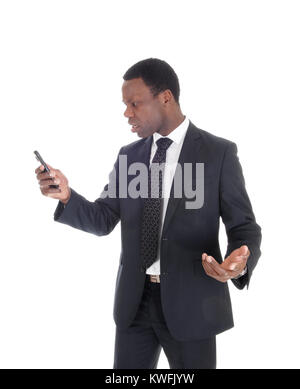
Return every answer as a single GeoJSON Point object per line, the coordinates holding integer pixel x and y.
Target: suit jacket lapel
{"type": "Point", "coordinates": [144, 152]}
{"type": "Point", "coordinates": [143, 155]}
{"type": "Point", "coordinates": [189, 153]}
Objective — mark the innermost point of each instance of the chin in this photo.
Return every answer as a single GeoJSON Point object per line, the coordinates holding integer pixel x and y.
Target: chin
{"type": "Point", "coordinates": [142, 134]}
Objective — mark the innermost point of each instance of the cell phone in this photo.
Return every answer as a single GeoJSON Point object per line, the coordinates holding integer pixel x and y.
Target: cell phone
{"type": "Point", "coordinates": [40, 159]}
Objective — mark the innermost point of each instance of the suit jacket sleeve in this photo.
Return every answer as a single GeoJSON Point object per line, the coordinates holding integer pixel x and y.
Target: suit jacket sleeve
{"type": "Point", "coordinates": [99, 217]}
{"type": "Point", "coordinates": [237, 213]}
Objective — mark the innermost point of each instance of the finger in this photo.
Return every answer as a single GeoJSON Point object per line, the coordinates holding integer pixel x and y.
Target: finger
{"type": "Point", "coordinates": [238, 257]}
{"type": "Point", "coordinates": [236, 267]}
{"type": "Point", "coordinates": [47, 164]}
{"type": "Point", "coordinates": [43, 175]}
{"type": "Point", "coordinates": [46, 183]}
{"type": "Point", "coordinates": [212, 273]}
{"type": "Point", "coordinates": [50, 192]}
{"type": "Point", "coordinates": [39, 169]}
{"type": "Point", "coordinates": [244, 249]}
{"type": "Point", "coordinates": [209, 270]}
{"type": "Point", "coordinates": [236, 263]}
{"type": "Point", "coordinates": [215, 265]}
{"type": "Point", "coordinates": [51, 181]}
{"type": "Point", "coordinates": [53, 172]}
{"type": "Point", "coordinates": [221, 272]}
{"type": "Point", "coordinates": [237, 260]}
{"type": "Point", "coordinates": [233, 269]}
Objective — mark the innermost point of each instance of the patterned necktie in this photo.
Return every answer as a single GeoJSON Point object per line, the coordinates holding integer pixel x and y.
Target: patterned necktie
{"type": "Point", "coordinates": [152, 208]}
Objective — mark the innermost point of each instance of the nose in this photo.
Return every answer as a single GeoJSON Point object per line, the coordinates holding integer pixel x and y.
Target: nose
{"type": "Point", "coordinates": [128, 113]}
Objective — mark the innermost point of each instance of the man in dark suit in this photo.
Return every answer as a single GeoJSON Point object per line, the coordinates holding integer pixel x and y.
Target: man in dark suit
{"type": "Point", "coordinates": [171, 286]}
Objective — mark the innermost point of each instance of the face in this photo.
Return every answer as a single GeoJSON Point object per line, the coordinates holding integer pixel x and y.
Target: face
{"type": "Point", "coordinates": [142, 108]}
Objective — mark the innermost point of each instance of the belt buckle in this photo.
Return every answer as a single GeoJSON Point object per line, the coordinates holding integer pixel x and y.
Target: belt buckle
{"type": "Point", "coordinates": [154, 278]}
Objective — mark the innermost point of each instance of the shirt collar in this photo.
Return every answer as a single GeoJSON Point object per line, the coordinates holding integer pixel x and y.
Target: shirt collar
{"type": "Point", "coordinates": [177, 134]}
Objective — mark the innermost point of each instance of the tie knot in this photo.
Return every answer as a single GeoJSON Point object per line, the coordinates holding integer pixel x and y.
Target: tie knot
{"type": "Point", "coordinates": [163, 143]}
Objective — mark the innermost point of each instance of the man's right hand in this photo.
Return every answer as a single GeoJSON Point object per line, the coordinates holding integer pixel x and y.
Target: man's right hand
{"type": "Point", "coordinates": [62, 193]}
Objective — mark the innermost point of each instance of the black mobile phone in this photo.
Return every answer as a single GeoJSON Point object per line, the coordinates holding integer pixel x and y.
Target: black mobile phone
{"type": "Point", "coordinates": [40, 159]}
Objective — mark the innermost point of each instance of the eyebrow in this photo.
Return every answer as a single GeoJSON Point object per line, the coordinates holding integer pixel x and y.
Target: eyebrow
{"type": "Point", "coordinates": [129, 101]}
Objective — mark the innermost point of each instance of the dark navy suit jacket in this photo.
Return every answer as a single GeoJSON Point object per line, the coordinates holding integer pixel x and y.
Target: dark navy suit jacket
{"type": "Point", "coordinates": [195, 305]}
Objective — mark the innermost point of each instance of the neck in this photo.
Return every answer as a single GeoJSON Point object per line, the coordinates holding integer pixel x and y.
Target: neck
{"type": "Point", "coordinates": [171, 123]}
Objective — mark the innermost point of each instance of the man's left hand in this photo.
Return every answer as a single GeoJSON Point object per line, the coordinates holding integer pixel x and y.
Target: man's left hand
{"type": "Point", "coordinates": [231, 267]}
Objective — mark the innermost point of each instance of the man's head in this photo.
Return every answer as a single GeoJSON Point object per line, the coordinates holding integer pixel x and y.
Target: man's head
{"type": "Point", "coordinates": [151, 94]}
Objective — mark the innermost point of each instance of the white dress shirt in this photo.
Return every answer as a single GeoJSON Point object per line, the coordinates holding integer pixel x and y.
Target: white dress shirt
{"type": "Point", "coordinates": [172, 155]}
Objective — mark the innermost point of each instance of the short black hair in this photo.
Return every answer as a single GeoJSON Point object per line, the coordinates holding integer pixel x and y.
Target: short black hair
{"type": "Point", "coordinates": [157, 74]}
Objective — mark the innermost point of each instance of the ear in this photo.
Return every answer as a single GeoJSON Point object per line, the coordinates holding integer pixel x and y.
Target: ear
{"type": "Point", "coordinates": [166, 96]}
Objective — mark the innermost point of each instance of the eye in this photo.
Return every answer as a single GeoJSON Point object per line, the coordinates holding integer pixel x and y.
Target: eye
{"type": "Point", "coordinates": [134, 104]}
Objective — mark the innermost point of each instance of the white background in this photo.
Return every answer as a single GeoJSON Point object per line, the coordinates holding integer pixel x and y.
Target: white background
{"type": "Point", "coordinates": [61, 72]}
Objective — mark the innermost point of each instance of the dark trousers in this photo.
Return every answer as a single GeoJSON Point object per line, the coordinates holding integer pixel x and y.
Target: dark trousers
{"type": "Point", "coordinates": [139, 346]}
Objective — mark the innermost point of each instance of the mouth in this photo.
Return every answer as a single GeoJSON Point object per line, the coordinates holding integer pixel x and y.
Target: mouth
{"type": "Point", "coordinates": [134, 128]}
